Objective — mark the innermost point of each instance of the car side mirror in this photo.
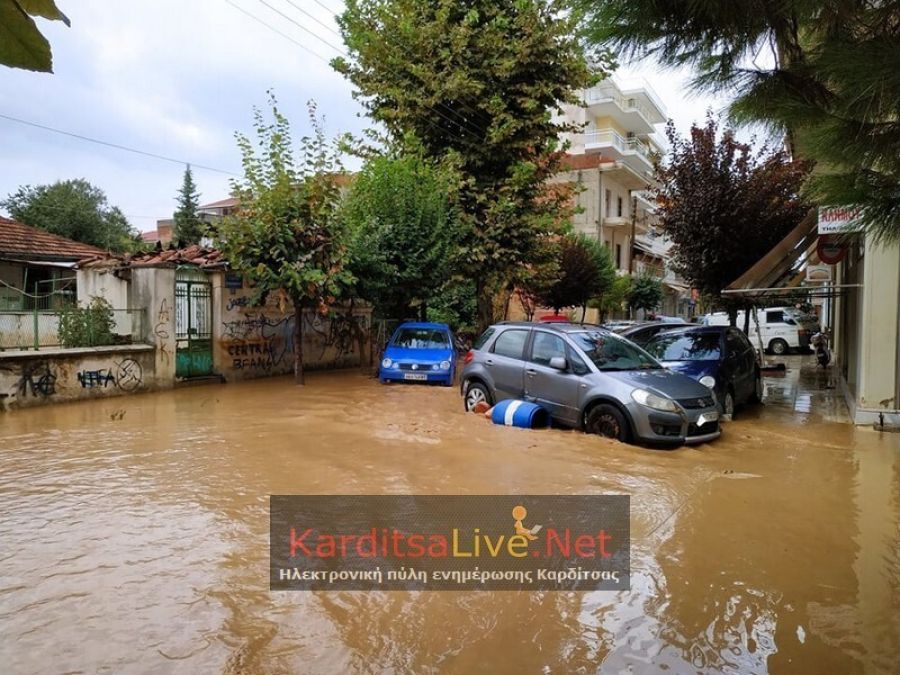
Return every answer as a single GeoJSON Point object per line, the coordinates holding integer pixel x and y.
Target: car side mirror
{"type": "Point", "coordinates": [559, 363]}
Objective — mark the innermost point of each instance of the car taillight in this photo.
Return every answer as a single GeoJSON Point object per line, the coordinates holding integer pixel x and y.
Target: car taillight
{"type": "Point", "coordinates": [470, 356]}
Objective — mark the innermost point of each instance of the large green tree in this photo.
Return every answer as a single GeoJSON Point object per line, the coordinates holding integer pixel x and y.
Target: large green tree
{"type": "Point", "coordinates": [287, 236]}
{"type": "Point", "coordinates": [74, 209]}
{"type": "Point", "coordinates": [723, 205]}
{"type": "Point", "coordinates": [403, 232]}
{"type": "Point", "coordinates": [646, 293]}
{"type": "Point", "coordinates": [824, 72]}
{"type": "Point", "coordinates": [188, 226]}
{"type": "Point", "coordinates": [475, 83]}
{"type": "Point", "coordinates": [21, 43]}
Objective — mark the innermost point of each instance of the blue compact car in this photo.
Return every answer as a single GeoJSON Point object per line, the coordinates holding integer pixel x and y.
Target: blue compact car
{"type": "Point", "coordinates": [719, 357]}
{"type": "Point", "coordinates": [419, 352]}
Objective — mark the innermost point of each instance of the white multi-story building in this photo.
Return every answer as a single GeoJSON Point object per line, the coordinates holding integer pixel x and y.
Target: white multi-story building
{"type": "Point", "coordinates": [610, 163]}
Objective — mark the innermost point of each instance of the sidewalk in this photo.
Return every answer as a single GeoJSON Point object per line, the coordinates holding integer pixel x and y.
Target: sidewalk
{"type": "Point", "coordinates": [804, 388]}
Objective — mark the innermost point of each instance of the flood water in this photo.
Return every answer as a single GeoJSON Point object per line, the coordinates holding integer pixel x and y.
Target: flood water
{"type": "Point", "coordinates": [134, 539]}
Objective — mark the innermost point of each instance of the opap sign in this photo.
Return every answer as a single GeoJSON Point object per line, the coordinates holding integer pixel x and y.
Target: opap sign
{"type": "Point", "coordinates": [839, 219]}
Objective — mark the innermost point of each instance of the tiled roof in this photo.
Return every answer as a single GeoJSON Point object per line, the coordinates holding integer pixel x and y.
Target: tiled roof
{"type": "Point", "coordinates": [221, 204]}
{"type": "Point", "coordinates": [170, 257]}
{"type": "Point", "coordinates": [20, 241]}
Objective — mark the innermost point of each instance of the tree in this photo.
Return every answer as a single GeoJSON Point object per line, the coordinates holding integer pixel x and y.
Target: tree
{"type": "Point", "coordinates": [475, 84]}
{"type": "Point", "coordinates": [21, 43]}
{"type": "Point", "coordinates": [613, 299]}
{"type": "Point", "coordinates": [585, 271]}
{"type": "Point", "coordinates": [188, 226]}
{"type": "Point", "coordinates": [829, 81]}
{"type": "Point", "coordinates": [286, 236]}
{"type": "Point", "coordinates": [74, 209]}
{"type": "Point", "coordinates": [645, 293]}
{"type": "Point", "coordinates": [723, 206]}
{"type": "Point", "coordinates": [403, 230]}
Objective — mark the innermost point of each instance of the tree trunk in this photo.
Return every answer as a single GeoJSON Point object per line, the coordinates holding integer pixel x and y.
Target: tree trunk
{"type": "Point", "coordinates": [583, 312]}
{"type": "Point", "coordinates": [732, 317]}
{"type": "Point", "coordinates": [423, 311]}
{"type": "Point", "coordinates": [747, 320]}
{"type": "Point", "coordinates": [485, 306]}
{"type": "Point", "coordinates": [298, 344]}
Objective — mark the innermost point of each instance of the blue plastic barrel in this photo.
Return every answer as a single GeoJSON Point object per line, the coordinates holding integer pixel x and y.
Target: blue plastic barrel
{"type": "Point", "coordinates": [519, 414]}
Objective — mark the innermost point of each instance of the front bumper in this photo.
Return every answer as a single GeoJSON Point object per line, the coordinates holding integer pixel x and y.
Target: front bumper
{"type": "Point", "coordinates": [424, 374]}
{"type": "Point", "coordinates": [677, 428]}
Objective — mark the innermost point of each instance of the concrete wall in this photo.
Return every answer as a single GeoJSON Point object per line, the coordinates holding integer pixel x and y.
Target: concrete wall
{"type": "Point", "coordinates": [93, 282]}
{"type": "Point", "coordinates": [57, 375]}
{"type": "Point", "coordinates": [153, 290]}
{"type": "Point", "coordinates": [256, 341]}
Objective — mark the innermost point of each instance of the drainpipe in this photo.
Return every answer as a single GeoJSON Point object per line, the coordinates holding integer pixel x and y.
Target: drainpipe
{"type": "Point", "coordinates": [599, 205]}
{"type": "Point", "coordinates": [631, 243]}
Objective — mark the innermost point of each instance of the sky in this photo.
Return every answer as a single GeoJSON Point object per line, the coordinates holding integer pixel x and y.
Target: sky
{"type": "Point", "coordinates": [178, 79]}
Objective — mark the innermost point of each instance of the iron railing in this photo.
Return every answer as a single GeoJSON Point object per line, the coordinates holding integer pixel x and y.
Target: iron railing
{"type": "Point", "coordinates": [38, 328]}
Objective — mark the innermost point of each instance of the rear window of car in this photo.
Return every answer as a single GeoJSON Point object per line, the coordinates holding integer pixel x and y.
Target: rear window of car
{"type": "Point", "coordinates": [686, 347]}
{"type": "Point", "coordinates": [421, 338]}
{"type": "Point", "coordinates": [511, 343]}
{"type": "Point", "coordinates": [483, 338]}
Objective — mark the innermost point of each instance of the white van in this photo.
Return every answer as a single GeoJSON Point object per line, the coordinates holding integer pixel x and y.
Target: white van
{"type": "Point", "coordinates": [779, 329]}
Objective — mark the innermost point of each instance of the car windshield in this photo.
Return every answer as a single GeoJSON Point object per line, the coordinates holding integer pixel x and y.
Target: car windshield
{"type": "Point", "coordinates": [686, 347]}
{"type": "Point", "coordinates": [611, 352]}
{"type": "Point", "coordinates": [421, 338]}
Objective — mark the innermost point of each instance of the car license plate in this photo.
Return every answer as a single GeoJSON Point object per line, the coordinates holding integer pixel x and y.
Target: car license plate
{"type": "Point", "coordinates": [707, 417]}
{"type": "Point", "coordinates": [415, 376]}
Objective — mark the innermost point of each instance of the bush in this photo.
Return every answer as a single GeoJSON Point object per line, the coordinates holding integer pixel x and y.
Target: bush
{"type": "Point", "coordinates": [90, 326]}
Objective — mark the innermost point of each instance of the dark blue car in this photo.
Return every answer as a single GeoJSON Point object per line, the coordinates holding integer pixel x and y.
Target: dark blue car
{"type": "Point", "coordinates": [419, 352]}
{"type": "Point", "coordinates": [720, 357]}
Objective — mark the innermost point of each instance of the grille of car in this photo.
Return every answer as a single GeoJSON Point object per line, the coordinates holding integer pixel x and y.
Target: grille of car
{"type": "Point", "coordinates": [409, 366]}
{"type": "Point", "coordinates": [693, 403]}
{"type": "Point", "coordinates": [702, 430]}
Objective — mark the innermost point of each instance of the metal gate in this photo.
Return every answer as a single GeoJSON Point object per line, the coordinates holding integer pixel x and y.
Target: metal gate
{"type": "Point", "coordinates": [193, 323]}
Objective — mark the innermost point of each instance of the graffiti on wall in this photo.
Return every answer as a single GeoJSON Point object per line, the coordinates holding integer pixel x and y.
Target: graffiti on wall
{"type": "Point", "coordinates": [161, 331]}
{"type": "Point", "coordinates": [126, 375]}
{"type": "Point", "coordinates": [37, 379]}
{"type": "Point", "coordinates": [258, 342]}
{"type": "Point", "coordinates": [339, 331]}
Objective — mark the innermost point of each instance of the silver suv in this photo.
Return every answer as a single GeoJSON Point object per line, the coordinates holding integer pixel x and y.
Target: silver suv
{"type": "Point", "coordinates": [589, 378]}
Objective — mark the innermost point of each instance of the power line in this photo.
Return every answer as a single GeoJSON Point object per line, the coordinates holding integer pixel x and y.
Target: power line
{"type": "Point", "coordinates": [311, 16]}
{"type": "Point", "coordinates": [115, 145]}
{"type": "Point", "coordinates": [284, 35]}
{"type": "Point", "coordinates": [341, 51]}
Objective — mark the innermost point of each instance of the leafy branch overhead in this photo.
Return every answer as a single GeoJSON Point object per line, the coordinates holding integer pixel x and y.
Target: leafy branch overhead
{"type": "Point", "coordinates": [21, 43]}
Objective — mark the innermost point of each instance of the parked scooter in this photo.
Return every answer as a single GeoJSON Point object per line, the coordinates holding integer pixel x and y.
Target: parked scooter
{"type": "Point", "coordinates": [823, 353]}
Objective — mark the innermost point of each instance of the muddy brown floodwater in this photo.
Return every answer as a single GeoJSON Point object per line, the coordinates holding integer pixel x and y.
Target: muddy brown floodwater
{"type": "Point", "coordinates": [134, 539]}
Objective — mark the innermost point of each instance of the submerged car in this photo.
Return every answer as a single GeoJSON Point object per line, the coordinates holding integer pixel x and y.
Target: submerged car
{"type": "Point", "coordinates": [589, 378]}
{"type": "Point", "coordinates": [419, 352]}
{"type": "Point", "coordinates": [719, 357]}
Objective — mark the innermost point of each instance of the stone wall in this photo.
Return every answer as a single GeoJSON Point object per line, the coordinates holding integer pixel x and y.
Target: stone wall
{"type": "Point", "coordinates": [57, 375]}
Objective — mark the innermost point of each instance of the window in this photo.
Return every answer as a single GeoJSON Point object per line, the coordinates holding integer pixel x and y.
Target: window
{"type": "Point", "coordinates": [608, 202]}
{"type": "Point", "coordinates": [511, 343]}
{"type": "Point", "coordinates": [421, 338]}
{"type": "Point", "coordinates": [686, 347]}
{"type": "Point", "coordinates": [619, 207]}
{"type": "Point", "coordinates": [546, 346]}
{"type": "Point", "coordinates": [485, 336]}
{"type": "Point", "coordinates": [611, 352]}
{"type": "Point", "coordinates": [577, 364]}
{"type": "Point", "coordinates": [776, 316]}
{"type": "Point", "coordinates": [734, 343]}
{"type": "Point", "coordinates": [619, 256]}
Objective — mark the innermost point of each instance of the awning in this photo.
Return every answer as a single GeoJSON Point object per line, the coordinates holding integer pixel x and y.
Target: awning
{"type": "Point", "coordinates": [43, 263]}
{"type": "Point", "coordinates": [778, 269]}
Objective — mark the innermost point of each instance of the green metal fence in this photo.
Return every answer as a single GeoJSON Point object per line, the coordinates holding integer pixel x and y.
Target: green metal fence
{"type": "Point", "coordinates": [39, 328]}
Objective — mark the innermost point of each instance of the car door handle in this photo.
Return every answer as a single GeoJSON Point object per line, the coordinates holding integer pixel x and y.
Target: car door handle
{"type": "Point", "coordinates": [488, 362]}
{"type": "Point", "coordinates": [531, 372]}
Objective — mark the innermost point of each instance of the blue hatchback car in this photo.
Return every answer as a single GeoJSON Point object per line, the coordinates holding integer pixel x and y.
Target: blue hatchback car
{"type": "Point", "coordinates": [719, 357]}
{"type": "Point", "coordinates": [419, 352]}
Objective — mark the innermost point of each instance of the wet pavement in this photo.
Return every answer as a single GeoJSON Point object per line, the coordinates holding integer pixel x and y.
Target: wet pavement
{"type": "Point", "coordinates": [134, 537]}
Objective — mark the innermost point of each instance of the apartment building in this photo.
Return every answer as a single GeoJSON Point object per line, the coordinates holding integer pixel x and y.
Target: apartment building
{"type": "Point", "coordinates": [611, 164]}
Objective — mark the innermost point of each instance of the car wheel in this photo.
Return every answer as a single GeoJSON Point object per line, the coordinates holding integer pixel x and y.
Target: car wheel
{"type": "Point", "coordinates": [607, 421]}
{"type": "Point", "coordinates": [778, 347]}
{"type": "Point", "coordinates": [757, 395]}
{"type": "Point", "coordinates": [475, 394]}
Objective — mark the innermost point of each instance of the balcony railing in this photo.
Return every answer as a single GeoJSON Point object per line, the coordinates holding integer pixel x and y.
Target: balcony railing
{"type": "Point", "coordinates": [603, 93]}
{"type": "Point", "coordinates": [613, 138]}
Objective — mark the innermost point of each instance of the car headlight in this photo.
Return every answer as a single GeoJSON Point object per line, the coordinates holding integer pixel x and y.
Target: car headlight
{"type": "Point", "coordinates": [387, 363]}
{"type": "Point", "coordinates": [644, 397]}
{"type": "Point", "coordinates": [445, 365]}
{"type": "Point", "coordinates": [708, 381]}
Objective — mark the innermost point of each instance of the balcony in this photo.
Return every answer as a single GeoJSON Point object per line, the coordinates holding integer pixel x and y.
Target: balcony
{"type": "Point", "coordinates": [605, 100]}
{"type": "Point", "coordinates": [610, 143]}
